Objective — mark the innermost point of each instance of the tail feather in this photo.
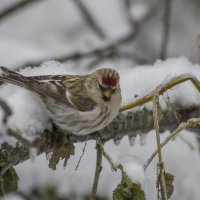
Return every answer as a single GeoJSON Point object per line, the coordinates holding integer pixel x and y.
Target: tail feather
{"type": "Point", "coordinates": [43, 89]}
{"type": "Point", "coordinates": [10, 76]}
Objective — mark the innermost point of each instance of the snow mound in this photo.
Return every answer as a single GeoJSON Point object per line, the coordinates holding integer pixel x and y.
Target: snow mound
{"type": "Point", "coordinates": [133, 168]}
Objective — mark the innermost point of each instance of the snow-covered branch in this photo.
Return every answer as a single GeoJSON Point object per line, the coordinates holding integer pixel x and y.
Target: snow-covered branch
{"type": "Point", "coordinates": [130, 124]}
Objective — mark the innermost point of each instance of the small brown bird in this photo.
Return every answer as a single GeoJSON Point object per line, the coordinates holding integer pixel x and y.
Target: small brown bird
{"type": "Point", "coordinates": [80, 104]}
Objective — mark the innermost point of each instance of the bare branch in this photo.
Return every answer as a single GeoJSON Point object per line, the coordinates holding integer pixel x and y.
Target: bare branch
{"type": "Point", "coordinates": [105, 51]}
{"type": "Point", "coordinates": [7, 111]}
{"type": "Point", "coordinates": [189, 123]}
{"type": "Point", "coordinates": [166, 28]}
{"type": "Point", "coordinates": [127, 7]}
{"type": "Point", "coordinates": [97, 172]}
{"type": "Point", "coordinates": [81, 156]}
{"type": "Point", "coordinates": [19, 137]}
{"type": "Point", "coordinates": [15, 7]}
{"type": "Point", "coordinates": [127, 124]}
{"type": "Point", "coordinates": [89, 19]}
{"type": "Point", "coordinates": [156, 110]}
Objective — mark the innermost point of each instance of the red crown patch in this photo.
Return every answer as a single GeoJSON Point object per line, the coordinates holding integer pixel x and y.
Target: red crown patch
{"type": "Point", "coordinates": [110, 81]}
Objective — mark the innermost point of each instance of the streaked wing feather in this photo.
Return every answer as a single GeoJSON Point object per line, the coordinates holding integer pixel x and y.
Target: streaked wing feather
{"type": "Point", "coordinates": [52, 86]}
{"type": "Point", "coordinates": [55, 83]}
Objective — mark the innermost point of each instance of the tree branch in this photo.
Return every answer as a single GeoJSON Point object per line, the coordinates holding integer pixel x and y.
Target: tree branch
{"type": "Point", "coordinates": [102, 52]}
{"type": "Point", "coordinates": [97, 172]}
{"type": "Point", "coordinates": [15, 7]}
{"type": "Point", "coordinates": [89, 19]}
{"type": "Point", "coordinates": [6, 109]}
{"type": "Point", "coordinates": [166, 28]}
{"type": "Point", "coordinates": [125, 124]}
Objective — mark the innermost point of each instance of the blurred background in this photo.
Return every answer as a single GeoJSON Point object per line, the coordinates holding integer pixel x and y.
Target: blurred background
{"type": "Point", "coordinates": [85, 34]}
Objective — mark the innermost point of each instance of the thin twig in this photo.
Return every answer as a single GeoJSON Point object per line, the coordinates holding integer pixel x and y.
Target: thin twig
{"type": "Point", "coordinates": [7, 111]}
{"type": "Point", "coordinates": [81, 156]}
{"type": "Point", "coordinates": [183, 126]}
{"type": "Point", "coordinates": [101, 51]}
{"type": "Point", "coordinates": [14, 7]}
{"type": "Point", "coordinates": [191, 146]}
{"type": "Point", "coordinates": [156, 107]}
{"type": "Point", "coordinates": [19, 137]}
{"type": "Point", "coordinates": [173, 82]}
{"type": "Point", "coordinates": [89, 19]}
{"type": "Point", "coordinates": [166, 28]}
{"type": "Point", "coordinates": [127, 10]}
{"type": "Point", "coordinates": [36, 143]}
{"type": "Point", "coordinates": [106, 156]}
{"type": "Point", "coordinates": [97, 172]}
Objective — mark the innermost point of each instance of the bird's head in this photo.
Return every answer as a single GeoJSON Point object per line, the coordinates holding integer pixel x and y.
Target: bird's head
{"type": "Point", "coordinates": [106, 84]}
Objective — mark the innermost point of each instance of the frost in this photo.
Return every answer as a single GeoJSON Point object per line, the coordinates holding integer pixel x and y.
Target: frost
{"type": "Point", "coordinates": [133, 168]}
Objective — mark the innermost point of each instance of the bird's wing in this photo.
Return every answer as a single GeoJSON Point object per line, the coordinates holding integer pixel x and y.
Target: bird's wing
{"type": "Point", "coordinates": [50, 86]}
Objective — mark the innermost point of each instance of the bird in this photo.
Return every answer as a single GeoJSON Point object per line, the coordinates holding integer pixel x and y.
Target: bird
{"type": "Point", "coordinates": [77, 104]}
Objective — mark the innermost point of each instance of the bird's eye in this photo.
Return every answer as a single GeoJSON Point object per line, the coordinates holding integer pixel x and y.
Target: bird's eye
{"type": "Point", "coordinates": [101, 87]}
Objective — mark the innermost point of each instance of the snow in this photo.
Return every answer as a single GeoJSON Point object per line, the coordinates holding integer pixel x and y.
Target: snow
{"type": "Point", "coordinates": [25, 52]}
{"type": "Point", "coordinates": [57, 28]}
{"type": "Point", "coordinates": [141, 80]}
{"type": "Point", "coordinates": [30, 114]}
{"type": "Point", "coordinates": [133, 167]}
{"type": "Point", "coordinates": [12, 197]}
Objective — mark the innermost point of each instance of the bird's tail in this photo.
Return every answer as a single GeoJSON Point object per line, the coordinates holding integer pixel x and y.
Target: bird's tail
{"type": "Point", "coordinates": [10, 76]}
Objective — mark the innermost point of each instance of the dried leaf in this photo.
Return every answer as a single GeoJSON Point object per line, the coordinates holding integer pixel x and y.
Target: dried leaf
{"type": "Point", "coordinates": [127, 190]}
{"type": "Point", "coordinates": [169, 179]}
{"type": "Point", "coordinates": [118, 193]}
{"type": "Point", "coordinates": [61, 151]}
{"type": "Point", "coordinates": [9, 181]}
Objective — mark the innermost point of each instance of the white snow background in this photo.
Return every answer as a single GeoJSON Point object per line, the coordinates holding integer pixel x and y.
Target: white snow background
{"type": "Point", "coordinates": [30, 117]}
{"type": "Point", "coordinates": [29, 114]}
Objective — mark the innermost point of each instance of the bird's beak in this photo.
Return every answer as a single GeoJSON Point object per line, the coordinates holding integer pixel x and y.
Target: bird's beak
{"type": "Point", "coordinates": [107, 94]}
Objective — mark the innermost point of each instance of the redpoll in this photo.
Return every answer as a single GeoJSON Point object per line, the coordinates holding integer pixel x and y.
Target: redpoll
{"type": "Point", "coordinates": [80, 104]}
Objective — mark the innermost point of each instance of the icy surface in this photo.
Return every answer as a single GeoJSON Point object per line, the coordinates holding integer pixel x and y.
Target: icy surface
{"type": "Point", "coordinates": [133, 168]}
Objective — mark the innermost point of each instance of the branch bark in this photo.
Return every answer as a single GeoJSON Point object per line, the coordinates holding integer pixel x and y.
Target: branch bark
{"type": "Point", "coordinates": [97, 172]}
{"type": "Point", "coordinates": [125, 124]}
{"type": "Point", "coordinates": [166, 28]}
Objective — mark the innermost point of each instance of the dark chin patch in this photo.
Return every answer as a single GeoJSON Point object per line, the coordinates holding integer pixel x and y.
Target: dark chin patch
{"type": "Point", "coordinates": [106, 98]}
{"type": "Point", "coordinates": [109, 81]}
